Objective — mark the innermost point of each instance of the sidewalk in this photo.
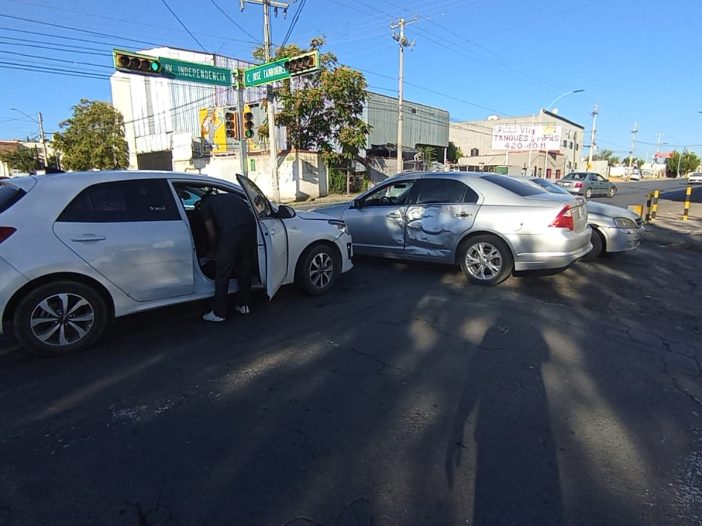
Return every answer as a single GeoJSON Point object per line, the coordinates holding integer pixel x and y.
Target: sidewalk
{"type": "Point", "coordinates": [669, 229]}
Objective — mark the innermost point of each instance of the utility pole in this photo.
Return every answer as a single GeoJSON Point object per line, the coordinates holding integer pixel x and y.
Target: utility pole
{"type": "Point", "coordinates": [633, 145]}
{"type": "Point", "coordinates": [593, 144]}
{"type": "Point", "coordinates": [658, 144]}
{"type": "Point", "coordinates": [43, 141]}
{"type": "Point", "coordinates": [270, 98]}
{"type": "Point", "coordinates": [243, 154]}
{"type": "Point", "coordinates": [403, 42]}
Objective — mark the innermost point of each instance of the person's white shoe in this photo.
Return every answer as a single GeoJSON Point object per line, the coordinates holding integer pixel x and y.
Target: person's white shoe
{"type": "Point", "coordinates": [243, 309]}
{"type": "Point", "coordinates": [211, 316]}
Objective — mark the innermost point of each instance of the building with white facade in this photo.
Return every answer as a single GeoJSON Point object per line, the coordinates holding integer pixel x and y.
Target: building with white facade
{"type": "Point", "coordinates": [542, 145]}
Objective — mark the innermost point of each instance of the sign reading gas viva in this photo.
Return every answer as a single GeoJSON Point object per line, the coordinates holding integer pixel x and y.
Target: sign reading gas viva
{"type": "Point", "coordinates": [516, 137]}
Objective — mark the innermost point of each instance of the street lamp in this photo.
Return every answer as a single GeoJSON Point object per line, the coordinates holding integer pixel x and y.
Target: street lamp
{"type": "Point", "coordinates": [40, 122]}
{"type": "Point", "coordinates": [571, 92]}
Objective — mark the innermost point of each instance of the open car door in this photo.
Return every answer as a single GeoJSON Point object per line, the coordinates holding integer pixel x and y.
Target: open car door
{"type": "Point", "coordinates": [272, 238]}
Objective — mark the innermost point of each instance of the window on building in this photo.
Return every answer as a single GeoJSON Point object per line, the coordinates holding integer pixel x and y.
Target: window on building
{"type": "Point", "coordinates": [474, 152]}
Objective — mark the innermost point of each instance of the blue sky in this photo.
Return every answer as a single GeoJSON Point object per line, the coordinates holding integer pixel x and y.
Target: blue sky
{"type": "Point", "coordinates": [639, 60]}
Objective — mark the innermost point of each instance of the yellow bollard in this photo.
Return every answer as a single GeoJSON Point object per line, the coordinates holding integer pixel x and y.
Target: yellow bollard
{"type": "Point", "coordinates": [637, 209]}
{"type": "Point", "coordinates": [648, 207]}
{"type": "Point", "coordinates": [686, 210]}
{"type": "Point", "coordinates": [654, 206]}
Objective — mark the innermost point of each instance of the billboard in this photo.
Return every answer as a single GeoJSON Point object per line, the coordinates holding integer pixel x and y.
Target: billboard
{"type": "Point", "coordinates": [212, 129]}
{"type": "Point", "coordinates": [519, 137]}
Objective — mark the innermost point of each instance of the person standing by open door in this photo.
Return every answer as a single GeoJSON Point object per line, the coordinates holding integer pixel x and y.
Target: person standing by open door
{"type": "Point", "coordinates": [231, 230]}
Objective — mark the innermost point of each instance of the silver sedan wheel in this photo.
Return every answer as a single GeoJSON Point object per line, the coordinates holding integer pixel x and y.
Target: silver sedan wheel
{"type": "Point", "coordinates": [483, 261]}
{"type": "Point", "coordinates": [62, 319]}
{"type": "Point", "coordinates": [321, 270]}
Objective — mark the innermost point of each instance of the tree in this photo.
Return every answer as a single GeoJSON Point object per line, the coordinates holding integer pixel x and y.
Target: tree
{"type": "Point", "coordinates": [427, 154]}
{"type": "Point", "coordinates": [681, 163]}
{"type": "Point", "coordinates": [454, 152]}
{"type": "Point", "coordinates": [635, 162]}
{"type": "Point", "coordinates": [93, 138]}
{"type": "Point", "coordinates": [606, 155]}
{"type": "Point", "coordinates": [23, 159]}
{"type": "Point", "coordinates": [322, 111]}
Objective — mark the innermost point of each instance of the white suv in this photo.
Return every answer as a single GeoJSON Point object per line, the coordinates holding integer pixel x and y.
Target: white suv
{"type": "Point", "coordinates": [77, 250]}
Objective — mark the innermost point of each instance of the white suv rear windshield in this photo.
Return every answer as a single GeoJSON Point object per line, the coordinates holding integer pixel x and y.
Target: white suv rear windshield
{"type": "Point", "coordinates": [9, 195]}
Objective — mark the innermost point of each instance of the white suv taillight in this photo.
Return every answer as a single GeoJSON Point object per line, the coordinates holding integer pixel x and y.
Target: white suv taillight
{"type": "Point", "coordinates": [5, 232]}
{"type": "Point", "coordinates": [564, 219]}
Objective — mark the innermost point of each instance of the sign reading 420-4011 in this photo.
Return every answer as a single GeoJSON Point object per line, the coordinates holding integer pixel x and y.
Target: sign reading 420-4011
{"type": "Point", "coordinates": [517, 137]}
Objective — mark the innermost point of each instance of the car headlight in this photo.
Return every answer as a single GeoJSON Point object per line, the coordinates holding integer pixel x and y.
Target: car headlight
{"type": "Point", "coordinates": [623, 222]}
{"type": "Point", "coordinates": [339, 224]}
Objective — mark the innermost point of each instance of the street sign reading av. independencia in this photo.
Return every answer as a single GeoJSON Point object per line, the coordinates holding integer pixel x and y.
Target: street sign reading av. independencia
{"type": "Point", "coordinates": [266, 73]}
{"type": "Point", "coordinates": [193, 72]}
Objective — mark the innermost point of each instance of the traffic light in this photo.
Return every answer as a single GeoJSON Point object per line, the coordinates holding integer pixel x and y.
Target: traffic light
{"type": "Point", "coordinates": [230, 124]}
{"type": "Point", "coordinates": [302, 64]}
{"type": "Point", "coordinates": [136, 63]}
{"type": "Point", "coordinates": [248, 122]}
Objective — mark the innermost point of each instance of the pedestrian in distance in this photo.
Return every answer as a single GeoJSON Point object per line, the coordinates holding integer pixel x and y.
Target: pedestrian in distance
{"type": "Point", "coordinates": [231, 230]}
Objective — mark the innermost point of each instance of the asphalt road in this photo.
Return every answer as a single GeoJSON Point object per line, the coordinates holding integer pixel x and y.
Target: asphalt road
{"type": "Point", "coordinates": [636, 192]}
{"type": "Point", "coordinates": [405, 396]}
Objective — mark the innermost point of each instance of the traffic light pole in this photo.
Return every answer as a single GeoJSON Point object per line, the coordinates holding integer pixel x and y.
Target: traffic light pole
{"type": "Point", "coordinates": [240, 124]}
{"type": "Point", "coordinates": [271, 101]}
{"type": "Point", "coordinates": [270, 97]}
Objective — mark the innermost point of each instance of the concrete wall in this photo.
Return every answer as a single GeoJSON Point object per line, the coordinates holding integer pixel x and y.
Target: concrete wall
{"type": "Point", "coordinates": [301, 175]}
{"type": "Point", "coordinates": [381, 168]}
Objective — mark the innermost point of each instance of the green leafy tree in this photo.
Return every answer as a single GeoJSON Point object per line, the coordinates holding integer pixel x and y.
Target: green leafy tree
{"type": "Point", "coordinates": [93, 138]}
{"type": "Point", "coordinates": [606, 155]}
{"type": "Point", "coordinates": [23, 159]}
{"type": "Point", "coordinates": [427, 155]}
{"type": "Point", "coordinates": [322, 110]}
{"type": "Point", "coordinates": [681, 163]}
{"type": "Point", "coordinates": [635, 162]}
{"type": "Point", "coordinates": [454, 152]}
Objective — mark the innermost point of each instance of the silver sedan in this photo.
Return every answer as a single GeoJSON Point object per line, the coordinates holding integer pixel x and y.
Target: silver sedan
{"type": "Point", "coordinates": [614, 229]}
{"type": "Point", "coordinates": [587, 184]}
{"type": "Point", "coordinates": [488, 224]}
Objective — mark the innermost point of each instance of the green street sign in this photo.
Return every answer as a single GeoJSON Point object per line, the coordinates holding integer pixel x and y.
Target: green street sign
{"type": "Point", "coordinates": [266, 73]}
{"type": "Point", "coordinates": [193, 72]}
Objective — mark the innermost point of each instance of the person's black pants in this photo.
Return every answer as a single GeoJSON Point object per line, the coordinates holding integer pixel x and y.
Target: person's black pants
{"type": "Point", "coordinates": [235, 250]}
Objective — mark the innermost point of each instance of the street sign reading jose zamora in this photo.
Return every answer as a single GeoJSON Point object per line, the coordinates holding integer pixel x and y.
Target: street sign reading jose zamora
{"type": "Point", "coordinates": [266, 73]}
{"type": "Point", "coordinates": [282, 69]}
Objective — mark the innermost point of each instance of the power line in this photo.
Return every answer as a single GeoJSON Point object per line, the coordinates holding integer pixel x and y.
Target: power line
{"type": "Point", "coordinates": [102, 34]}
{"type": "Point", "coordinates": [184, 26]}
{"type": "Point", "coordinates": [296, 17]}
{"type": "Point", "coordinates": [55, 59]}
{"type": "Point", "coordinates": [127, 21]}
{"type": "Point", "coordinates": [255, 40]}
{"type": "Point", "coordinates": [37, 44]}
{"type": "Point", "coordinates": [76, 39]}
